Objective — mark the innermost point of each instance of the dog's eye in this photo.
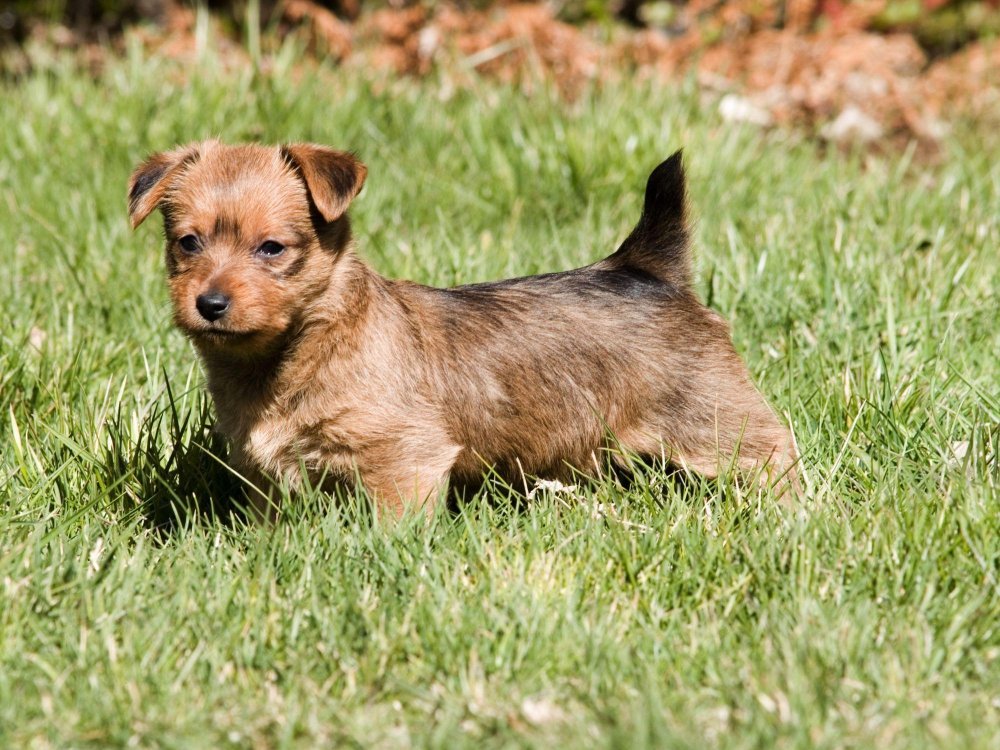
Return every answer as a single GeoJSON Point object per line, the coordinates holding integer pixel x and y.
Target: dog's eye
{"type": "Point", "coordinates": [189, 243]}
{"type": "Point", "coordinates": [271, 249]}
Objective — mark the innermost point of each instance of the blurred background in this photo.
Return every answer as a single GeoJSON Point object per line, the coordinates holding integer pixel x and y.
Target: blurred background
{"type": "Point", "coordinates": [847, 72]}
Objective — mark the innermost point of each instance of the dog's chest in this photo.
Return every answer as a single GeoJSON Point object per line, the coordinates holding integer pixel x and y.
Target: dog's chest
{"type": "Point", "coordinates": [284, 442]}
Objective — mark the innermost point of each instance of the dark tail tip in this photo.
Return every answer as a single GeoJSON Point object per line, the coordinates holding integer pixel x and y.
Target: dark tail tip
{"type": "Point", "coordinates": [665, 191]}
{"type": "Point", "coordinates": [659, 243]}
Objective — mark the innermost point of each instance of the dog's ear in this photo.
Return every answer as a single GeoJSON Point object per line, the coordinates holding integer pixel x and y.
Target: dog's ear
{"type": "Point", "coordinates": [151, 179]}
{"type": "Point", "coordinates": [333, 178]}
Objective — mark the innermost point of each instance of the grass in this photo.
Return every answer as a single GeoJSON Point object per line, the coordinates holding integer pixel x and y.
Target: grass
{"type": "Point", "coordinates": [862, 290]}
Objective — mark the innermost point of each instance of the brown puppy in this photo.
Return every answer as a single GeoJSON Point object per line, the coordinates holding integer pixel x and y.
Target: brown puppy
{"type": "Point", "coordinates": [316, 361]}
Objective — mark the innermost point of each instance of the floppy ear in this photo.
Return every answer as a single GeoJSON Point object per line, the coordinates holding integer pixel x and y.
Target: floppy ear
{"type": "Point", "coordinates": [333, 178]}
{"type": "Point", "coordinates": [151, 179]}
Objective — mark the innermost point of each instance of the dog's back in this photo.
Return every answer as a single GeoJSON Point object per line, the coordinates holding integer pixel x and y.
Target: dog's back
{"type": "Point", "coordinates": [542, 373]}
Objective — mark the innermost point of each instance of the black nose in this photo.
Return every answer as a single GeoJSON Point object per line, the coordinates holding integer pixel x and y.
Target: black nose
{"type": "Point", "coordinates": [212, 306]}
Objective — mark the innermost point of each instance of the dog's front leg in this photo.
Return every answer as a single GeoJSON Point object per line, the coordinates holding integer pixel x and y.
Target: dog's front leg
{"type": "Point", "coordinates": [411, 473]}
{"type": "Point", "coordinates": [396, 490]}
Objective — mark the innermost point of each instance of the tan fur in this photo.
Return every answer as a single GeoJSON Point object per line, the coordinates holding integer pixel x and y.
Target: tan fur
{"type": "Point", "coordinates": [323, 364]}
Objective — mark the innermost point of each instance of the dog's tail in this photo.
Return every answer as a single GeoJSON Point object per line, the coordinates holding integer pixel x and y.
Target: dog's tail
{"type": "Point", "coordinates": [659, 243]}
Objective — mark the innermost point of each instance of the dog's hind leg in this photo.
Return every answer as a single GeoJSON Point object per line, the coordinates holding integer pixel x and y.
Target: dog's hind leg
{"type": "Point", "coordinates": [714, 418]}
{"type": "Point", "coordinates": [748, 438]}
{"type": "Point", "coordinates": [723, 419]}
{"type": "Point", "coordinates": [708, 437]}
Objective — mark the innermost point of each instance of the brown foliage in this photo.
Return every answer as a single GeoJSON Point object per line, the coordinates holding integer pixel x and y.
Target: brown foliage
{"type": "Point", "coordinates": [816, 64]}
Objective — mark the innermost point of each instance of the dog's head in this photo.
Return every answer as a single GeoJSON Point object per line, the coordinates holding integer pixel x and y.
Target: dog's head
{"type": "Point", "coordinates": [253, 233]}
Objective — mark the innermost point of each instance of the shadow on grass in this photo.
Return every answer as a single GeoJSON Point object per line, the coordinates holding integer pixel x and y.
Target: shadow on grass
{"type": "Point", "coordinates": [652, 477]}
{"type": "Point", "coordinates": [171, 467]}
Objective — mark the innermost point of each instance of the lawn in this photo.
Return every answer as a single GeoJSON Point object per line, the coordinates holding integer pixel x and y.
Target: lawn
{"type": "Point", "coordinates": [862, 290]}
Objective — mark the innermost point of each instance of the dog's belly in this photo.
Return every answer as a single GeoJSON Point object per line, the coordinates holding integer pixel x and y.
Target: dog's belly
{"type": "Point", "coordinates": [546, 423]}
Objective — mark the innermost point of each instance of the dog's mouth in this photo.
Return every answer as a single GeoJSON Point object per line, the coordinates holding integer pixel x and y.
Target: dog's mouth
{"type": "Point", "coordinates": [221, 335]}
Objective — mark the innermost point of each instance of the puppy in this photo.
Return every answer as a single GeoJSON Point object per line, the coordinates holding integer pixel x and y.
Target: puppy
{"type": "Point", "coordinates": [315, 362]}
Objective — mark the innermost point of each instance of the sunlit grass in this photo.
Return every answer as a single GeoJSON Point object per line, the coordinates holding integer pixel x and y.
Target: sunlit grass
{"type": "Point", "coordinates": [862, 291]}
